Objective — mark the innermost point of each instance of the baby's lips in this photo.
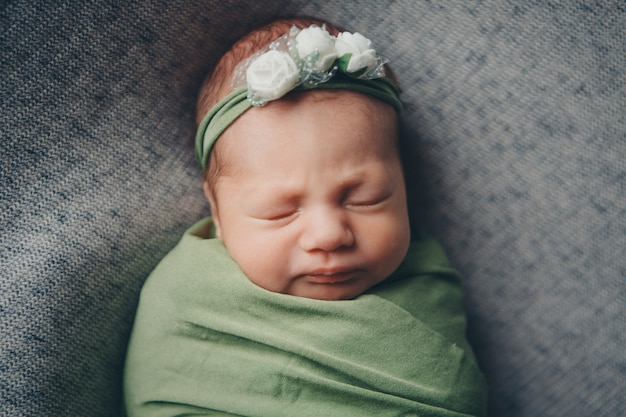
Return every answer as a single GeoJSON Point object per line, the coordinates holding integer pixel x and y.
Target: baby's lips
{"type": "Point", "coordinates": [330, 275]}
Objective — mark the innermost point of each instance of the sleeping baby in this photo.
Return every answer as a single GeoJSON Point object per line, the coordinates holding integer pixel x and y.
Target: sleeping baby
{"type": "Point", "coordinates": [307, 292]}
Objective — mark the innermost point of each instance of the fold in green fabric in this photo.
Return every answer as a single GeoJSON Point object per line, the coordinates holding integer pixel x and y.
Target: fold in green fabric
{"type": "Point", "coordinates": [208, 342]}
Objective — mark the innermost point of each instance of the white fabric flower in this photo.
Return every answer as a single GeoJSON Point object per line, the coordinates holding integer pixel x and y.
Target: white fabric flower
{"type": "Point", "coordinates": [316, 39]}
{"type": "Point", "coordinates": [271, 76]}
{"type": "Point", "coordinates": [363, 57]}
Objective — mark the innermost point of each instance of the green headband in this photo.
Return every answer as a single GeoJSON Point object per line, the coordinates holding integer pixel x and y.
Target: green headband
{"type": "Point", "coordinates": [308, 59]}
{"type": "Point", "coordinates": [224, 113]}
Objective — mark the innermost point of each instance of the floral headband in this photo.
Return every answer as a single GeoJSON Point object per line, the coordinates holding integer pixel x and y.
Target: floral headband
{"type": "Point", "coordinates": [303, 60]}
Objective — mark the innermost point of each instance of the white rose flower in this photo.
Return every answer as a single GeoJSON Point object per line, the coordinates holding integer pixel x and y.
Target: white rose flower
{"type": "Point", "coordinates": [271, 76]}
{"type": "Point", "coordinates": [316, 39]}
{"type": "Point", "coordinates": [363, 57]}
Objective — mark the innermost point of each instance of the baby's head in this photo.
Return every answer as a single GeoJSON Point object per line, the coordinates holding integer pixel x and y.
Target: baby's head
{"type": "Point", "coordinates": [306, 187]}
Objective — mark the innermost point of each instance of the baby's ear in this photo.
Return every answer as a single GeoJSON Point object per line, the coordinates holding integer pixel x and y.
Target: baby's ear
{"type": "Point", "coordinates": [213, 204]}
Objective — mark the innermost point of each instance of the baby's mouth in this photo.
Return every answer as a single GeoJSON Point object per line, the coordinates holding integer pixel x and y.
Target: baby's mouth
{"type": "Point", "coordinates": [331, 276]}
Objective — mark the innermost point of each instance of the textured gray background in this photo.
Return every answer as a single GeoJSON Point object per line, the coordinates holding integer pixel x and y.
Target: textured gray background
{"type": "Point", "coordinates": [516, 112]}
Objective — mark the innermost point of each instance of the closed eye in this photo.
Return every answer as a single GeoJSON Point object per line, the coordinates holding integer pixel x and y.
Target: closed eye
{"type": "Point", "coordinates": [374, 201]}
{"type": "Point", "coordinates": [281, 216]}
{"type": "Point", "coordinates": [278, 216]}
{"type": "Point", "coordinates": [367, 204]}
{"type": "Point", "coordinates": [368, 193]}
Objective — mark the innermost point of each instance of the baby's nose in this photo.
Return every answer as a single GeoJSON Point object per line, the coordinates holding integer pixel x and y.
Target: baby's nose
{"type": "Point", "coordinates": [326, 230]}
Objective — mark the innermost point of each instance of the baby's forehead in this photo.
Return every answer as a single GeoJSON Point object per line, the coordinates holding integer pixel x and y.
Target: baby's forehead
{"type": "Point", "coordinates": [317, 115]}
{"type": "Point", "coordinates": [345, 107]}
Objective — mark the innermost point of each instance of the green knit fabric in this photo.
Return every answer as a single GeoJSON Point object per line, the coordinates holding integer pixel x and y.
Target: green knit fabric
{"type": "Point", "coordinates": [209, 342]}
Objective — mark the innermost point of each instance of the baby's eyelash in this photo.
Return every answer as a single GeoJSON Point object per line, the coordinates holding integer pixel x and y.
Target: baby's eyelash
{"type": "Point", "coordinates": [367, 202]}
{"type": "Point", "coordinates": [279, 216]}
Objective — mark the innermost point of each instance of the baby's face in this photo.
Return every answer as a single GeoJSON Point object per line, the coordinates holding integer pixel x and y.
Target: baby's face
{"type": "Point", "coordinates": [313, 201]}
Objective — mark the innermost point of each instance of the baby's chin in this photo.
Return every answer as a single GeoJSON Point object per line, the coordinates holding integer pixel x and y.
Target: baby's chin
{"type": "Point", "coordinates": [322, 285]}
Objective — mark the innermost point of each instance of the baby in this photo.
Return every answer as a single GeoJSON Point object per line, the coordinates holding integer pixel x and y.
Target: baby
{"type": "Point", "coordinates": [305, 293]}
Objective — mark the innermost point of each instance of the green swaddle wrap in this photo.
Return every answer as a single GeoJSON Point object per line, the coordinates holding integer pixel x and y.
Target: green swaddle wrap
{"type": "Point", "coordinates": [208, 342]}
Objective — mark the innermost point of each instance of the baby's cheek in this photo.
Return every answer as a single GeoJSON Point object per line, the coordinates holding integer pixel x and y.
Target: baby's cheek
{"type": "Point", "coordinates": [393, 245]}
{"type": "Point", "coordinates": [261, 264]}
